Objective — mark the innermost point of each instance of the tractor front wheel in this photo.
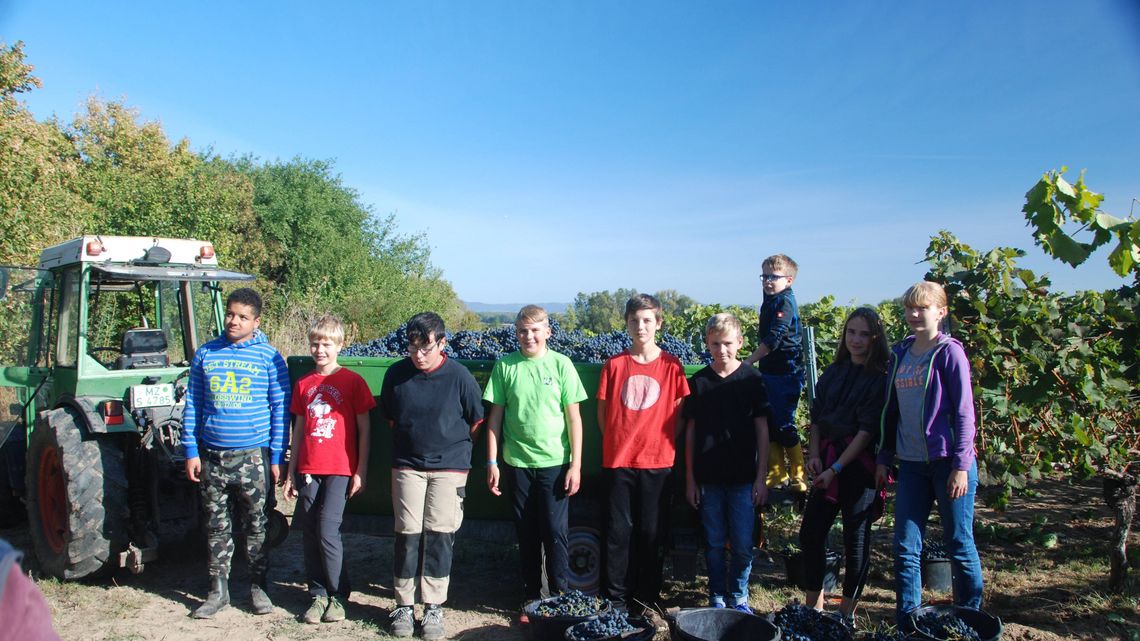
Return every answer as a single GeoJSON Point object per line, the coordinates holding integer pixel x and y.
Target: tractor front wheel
{"type": "Point", "coordinates": [76, 497]}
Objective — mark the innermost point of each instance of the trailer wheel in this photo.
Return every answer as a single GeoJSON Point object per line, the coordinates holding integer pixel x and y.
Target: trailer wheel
{"type": "Point", "coordinates": [584, 549]}
{"type": "Point", "coordinates": [77, 499]}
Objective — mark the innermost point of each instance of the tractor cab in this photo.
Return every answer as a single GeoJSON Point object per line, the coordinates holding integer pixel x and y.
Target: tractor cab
{"type": "Point", "coordinates": [105, 329]}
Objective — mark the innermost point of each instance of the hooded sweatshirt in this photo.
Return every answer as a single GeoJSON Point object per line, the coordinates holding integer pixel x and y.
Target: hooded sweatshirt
{"type": "Point", "coordinates": [947, 408]}
{"type": "Point", "coordinates": [237, 398]}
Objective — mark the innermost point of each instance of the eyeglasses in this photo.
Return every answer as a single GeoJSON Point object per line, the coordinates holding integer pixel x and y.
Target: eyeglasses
{"type": "Point", "coordinates": [424, 351]}
{"type": "Point", "coordinates": [770, 277]}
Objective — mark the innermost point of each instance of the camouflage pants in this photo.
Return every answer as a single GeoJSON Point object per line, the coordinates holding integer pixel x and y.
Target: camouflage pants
{"type": "Point", "coordinates": [244, 475]}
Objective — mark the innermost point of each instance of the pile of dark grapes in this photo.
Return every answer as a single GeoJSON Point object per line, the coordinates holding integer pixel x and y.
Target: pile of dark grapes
{"type": "Point", "coordinates": [945, 626]}
{"type": "Point", "coordinates": [800, 623]}
{"type": "Point", "coordinates": [604, 627]}
{"type": "Point", "coordinates": [933, 549]}
{"type": "Point", "coordinates": [571, 604]}
{"type": "Point", "coordinates": [493, 344]}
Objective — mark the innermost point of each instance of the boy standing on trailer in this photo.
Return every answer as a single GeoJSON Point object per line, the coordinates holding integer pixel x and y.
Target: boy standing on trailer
{"type": "Point", "coordinates": [535, 394]}
{"type": "Point", "coordinates": [778, 357]}
{"type": "Point", "coordinates": [639, 397]}
{"type": "Point", "coordinates": [329, 464]}
{"type": "Point", "coordinates": [434, 407]}
{"type": "Point", "coordinates": [234, 430]}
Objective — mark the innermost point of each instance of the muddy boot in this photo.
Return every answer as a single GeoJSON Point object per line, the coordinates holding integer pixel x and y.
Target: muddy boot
{"type": "Point", "coordinates": [218, 598]}
{"type": "Point", "coordinates": [258, 598]}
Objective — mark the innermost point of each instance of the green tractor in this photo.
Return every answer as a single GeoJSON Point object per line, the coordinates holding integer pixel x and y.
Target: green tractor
{"type": "Point", "coordinates": [104, 329]}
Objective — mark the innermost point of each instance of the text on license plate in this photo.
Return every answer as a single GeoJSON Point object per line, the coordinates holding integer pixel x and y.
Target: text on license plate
{"type": "Point", "coordinates": [152, 395]}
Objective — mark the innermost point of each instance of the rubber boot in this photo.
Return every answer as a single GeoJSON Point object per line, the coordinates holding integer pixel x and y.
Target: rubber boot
{"type": "Point", "coordinates": [259, 600]}
{"type": "Point", "coordinates": [796, 468]}
{"type": "Point", "coordinates": [218, 598]}
{"type": "Point", "coordinates": [776, 472]}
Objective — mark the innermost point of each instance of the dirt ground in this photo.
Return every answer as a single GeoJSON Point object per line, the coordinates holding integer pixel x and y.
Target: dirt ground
{"type": "Point", "coordinates": [1043, 592]}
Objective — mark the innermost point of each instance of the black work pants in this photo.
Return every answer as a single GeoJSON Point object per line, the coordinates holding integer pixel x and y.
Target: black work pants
{"type": "Point", "coordinates": [542, 521]}
{"type": "Point", "coordinates": [636, 519]}
{"type": "Point", "coordinates": [857, 495]}
{"type": "Point", "coordinates": [321, 501]}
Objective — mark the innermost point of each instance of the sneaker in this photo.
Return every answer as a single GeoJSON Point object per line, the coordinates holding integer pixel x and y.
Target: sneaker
{"type": "Point", "coordinates": [743, 607]}
{"type": "Point", "coordinates": [402, 622]}
{"type": "Point", "coordinates": [335, 611]}
{"type": "Point", "coordinates": [432, 624]}
{"type": "Point", "coordinates": [316, 610]}
{"type": "Point", "coordinates": [716, 604]}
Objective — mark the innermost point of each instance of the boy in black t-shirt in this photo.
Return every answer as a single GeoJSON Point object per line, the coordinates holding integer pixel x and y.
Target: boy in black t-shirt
{"type": "Point", "coordinates": [726, 443]}
{"type": "Point", "coordinates": [434, 406]}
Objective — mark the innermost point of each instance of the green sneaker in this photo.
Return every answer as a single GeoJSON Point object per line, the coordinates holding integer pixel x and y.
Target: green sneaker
{"type": "Point", "coordinates": [335, 611]}
{"type": "Point", "coordinates": [316, 610]}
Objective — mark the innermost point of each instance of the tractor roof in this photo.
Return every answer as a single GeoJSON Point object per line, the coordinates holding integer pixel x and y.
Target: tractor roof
{"type": "Point", "coordinates": [130, 250]}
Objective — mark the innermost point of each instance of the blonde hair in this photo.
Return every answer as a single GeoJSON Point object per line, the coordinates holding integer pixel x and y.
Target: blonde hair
{"type": "Point", "coordinates": [925, 293]}
{"type": "Point", "coordinates": [327, 326]}
{"type": "Point", "coordinates": [532, 314]}
{"type": "Point", "coordinates": [723, 323]}
{"type": "Point", "coordinates": [780, 263]}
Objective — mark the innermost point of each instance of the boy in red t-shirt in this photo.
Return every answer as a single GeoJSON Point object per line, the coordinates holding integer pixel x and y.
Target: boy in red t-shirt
{"type": "Point", "coordinates": [329, 463]}
{"type": "Point", "coordinates": [639, 396]}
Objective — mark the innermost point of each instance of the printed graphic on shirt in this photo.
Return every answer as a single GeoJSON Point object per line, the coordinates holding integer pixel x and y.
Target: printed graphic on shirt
{"type": "Point", "coordinates": [228, 390]}
{"type": "Point", "coordinates": [324, 424]}
{"type": "Point", "coordinates": [640, 392]}
{"type": "Point", "coordinates": [911, 374]}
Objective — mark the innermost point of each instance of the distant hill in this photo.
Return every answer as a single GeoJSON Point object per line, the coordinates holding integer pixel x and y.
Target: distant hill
{"type": "Point", "coordinates": [480, 308]}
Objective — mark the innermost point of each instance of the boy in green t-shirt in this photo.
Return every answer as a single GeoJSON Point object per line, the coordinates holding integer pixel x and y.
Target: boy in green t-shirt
{"type": "Point", "coordinates": [535, 394]}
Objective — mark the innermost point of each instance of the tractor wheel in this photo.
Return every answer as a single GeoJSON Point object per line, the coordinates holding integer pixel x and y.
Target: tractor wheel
{"type": "Point", "coordinates": [77, 499]}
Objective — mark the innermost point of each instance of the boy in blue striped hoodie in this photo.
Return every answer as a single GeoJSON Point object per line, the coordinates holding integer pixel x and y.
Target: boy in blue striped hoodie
{"type": "Point", "coordinates": [234, 431]}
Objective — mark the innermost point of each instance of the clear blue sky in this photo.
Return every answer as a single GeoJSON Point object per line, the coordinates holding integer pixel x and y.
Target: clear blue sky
{"type": "Point", "coordinates": [550, 148]}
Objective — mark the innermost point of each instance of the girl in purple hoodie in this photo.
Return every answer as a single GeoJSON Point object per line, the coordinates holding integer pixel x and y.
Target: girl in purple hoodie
{"type": "Point", "coordinates": [928, 425]}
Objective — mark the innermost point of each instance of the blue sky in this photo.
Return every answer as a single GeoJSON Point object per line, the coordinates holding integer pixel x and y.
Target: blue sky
{"type": "Point", "coordinates": [547, 148]}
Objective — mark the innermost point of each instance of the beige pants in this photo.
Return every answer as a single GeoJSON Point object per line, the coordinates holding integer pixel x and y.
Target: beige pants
{"type": "Point", "coordinates": [428, 509]}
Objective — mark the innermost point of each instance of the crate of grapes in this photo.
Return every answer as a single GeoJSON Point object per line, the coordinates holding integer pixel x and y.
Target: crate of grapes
{"type": "Point", "coordinates": [550, 617]}
{"type": "Point", "coordinates": [953, 623]}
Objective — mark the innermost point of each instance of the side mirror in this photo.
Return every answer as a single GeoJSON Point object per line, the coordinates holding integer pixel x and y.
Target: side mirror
{"type": "Point", "coordinates": [3, 283]}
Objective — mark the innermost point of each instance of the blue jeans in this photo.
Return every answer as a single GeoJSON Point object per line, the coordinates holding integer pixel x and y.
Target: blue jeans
{"type": "Point", "coordinates": [783, 396]}
{"type": "Point", "coordinates": [727, 516]}
{"type": "Point", "coordinates": [919, 485]}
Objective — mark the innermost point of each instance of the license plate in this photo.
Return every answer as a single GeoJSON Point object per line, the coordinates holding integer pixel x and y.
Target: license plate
{"type": "Point", "coordinates": [152, 395]}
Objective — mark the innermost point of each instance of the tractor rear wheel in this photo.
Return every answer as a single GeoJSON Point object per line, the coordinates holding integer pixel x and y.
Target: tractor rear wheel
{"type": "Point", "coordinates": [76, 497]}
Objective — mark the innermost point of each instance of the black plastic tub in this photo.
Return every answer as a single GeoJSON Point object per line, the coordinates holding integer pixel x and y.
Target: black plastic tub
{"type": "Point", "coordinates": [937, 575]}
{"type": "Point", "coordinates": [722, 624]}
{"type": "Point", "coordinates": [986, 625]}
{"type": "Point", "coordinates": [645, 631]}
{"type": "Point", "coordinates": [794, 570]}
{"type": "Point", "coordinates": [545, 628]}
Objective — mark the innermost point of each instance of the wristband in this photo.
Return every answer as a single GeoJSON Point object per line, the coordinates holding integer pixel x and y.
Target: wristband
{"type": "Point", "coordinates": [491, 462]}
{"type": "Point", "coordinates": [836, 467]}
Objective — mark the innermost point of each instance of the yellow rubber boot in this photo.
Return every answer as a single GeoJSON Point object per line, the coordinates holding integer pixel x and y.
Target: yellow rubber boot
{"type": "Point", "coordinates": [776, 472]}
{"type": "Point", "coordinates": [796, 467]}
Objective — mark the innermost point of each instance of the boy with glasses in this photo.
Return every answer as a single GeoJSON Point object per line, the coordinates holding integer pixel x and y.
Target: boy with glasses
{"type": "Point", "coordinates": [434, 407]}
{"type": "Point", "coordinates": [778, 357]}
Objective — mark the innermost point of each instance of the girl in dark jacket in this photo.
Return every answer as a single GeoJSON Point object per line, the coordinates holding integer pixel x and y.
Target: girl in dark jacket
{"type": "Point", "coordinates": [844, 430]}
